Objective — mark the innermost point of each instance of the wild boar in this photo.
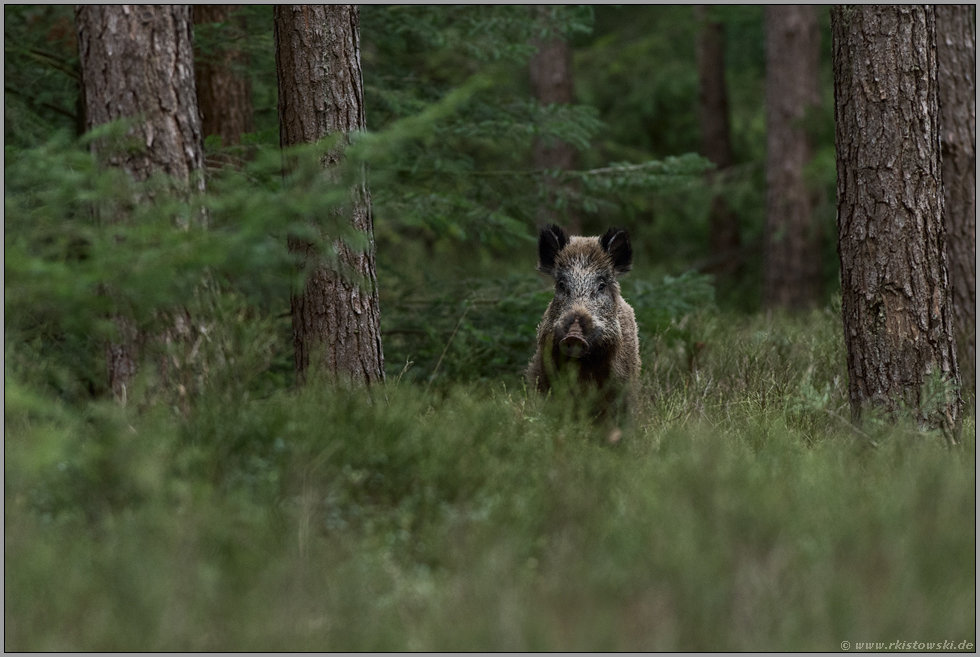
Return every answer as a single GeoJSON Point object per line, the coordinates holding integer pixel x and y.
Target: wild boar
{"type": "Point", "coordinates": [587, 326]}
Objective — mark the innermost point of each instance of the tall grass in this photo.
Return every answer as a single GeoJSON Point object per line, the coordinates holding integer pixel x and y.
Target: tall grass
{"type": "Point", "coordinates": [741, 511]}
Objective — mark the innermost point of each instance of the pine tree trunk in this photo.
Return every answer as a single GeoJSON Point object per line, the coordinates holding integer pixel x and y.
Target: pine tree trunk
{"type": "Point", "coordinates": [551, 82]}
{"type": "Point", "coordinates": [792, 244]}
{"type": "Point", "coordinates": [137, 61]}
{"type": "Point", "coordinates": [716, 143]}
{"type": "Point", "coordinates": [957, 38]}
{"type": "Point", "coordinates": [224, 89]}
{"type": "Point", "coordinates": [898, 324]}
{"type": "Point", "coordinates": [336, 323]}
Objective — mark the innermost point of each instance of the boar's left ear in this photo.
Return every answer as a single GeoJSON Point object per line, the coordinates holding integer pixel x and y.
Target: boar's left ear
{"type": "Point", "coordinates": [551, 240]}
{"type": "Point", "coordinates": [616, 242]}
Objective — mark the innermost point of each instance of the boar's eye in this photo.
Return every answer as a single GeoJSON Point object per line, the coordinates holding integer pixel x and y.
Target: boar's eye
{"type": "Point", "coordinates": [602, 287]}
{"type": "Point", "coordinates": [561, 287]}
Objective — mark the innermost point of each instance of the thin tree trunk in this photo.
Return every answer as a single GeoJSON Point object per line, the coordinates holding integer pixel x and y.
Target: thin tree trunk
{"type": "Point", "coordinates": [792, 244]}
{"type": "Point", "coordinates": [716, 143]}
{"type": "Point", "coordinates": [551, 82]}
{"type": "Point", "coordinates": [956, 32]}
{"type": "Point", "coordinates": [336, 323]}
{"type": "Point", "coordinates": [137, 63]}
{"type": "Point", "coordinates": [224, 89]}
{"type": "Point", "coordinates": [898, 324]}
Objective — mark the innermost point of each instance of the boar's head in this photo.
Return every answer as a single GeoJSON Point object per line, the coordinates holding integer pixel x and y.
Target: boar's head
{"type": "Point", "coordinates": [582, 318]}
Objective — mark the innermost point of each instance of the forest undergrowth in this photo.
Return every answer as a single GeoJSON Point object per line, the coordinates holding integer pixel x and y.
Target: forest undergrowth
{"type": "Point", "coordinates": [740, 511]}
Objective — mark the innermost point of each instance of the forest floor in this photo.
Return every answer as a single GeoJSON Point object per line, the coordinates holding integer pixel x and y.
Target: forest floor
{"type": "Point", "coordinates": [740, 511]}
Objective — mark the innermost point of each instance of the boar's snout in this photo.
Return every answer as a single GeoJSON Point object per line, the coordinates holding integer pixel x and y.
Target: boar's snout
{"type": "Point", "coordinates": [574, 343]}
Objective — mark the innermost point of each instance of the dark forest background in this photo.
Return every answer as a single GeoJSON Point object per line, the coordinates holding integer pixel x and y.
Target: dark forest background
{"type": "Point", "coordinates": [457, 204]}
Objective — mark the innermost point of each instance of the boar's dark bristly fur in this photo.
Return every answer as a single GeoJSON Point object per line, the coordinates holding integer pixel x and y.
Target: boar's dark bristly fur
{"type": "Point", "coordinates": [587, 325]}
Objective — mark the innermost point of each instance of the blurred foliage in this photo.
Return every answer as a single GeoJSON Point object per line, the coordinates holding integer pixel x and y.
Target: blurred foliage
{"type": "Point", "coordinates": [468, 176]}
{"type": "Point", "coordinates": [742, 512]}
{"type": "Point", "coordinates": [41, 78]}
{"type": "Point", "coordinates": [453, 79]}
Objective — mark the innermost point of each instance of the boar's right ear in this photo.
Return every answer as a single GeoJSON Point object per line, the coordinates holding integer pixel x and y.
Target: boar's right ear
{"type": "Point", "coordinates": [551, 240]}
{"type": "Point", "coordinates": [616, 242]}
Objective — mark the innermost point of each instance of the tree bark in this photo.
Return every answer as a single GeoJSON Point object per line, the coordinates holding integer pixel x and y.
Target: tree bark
{"type": "Point", "coordinates": [716, 143]}
{"type": "Point", "coordinates": [956, 41]}
{"type": "Point", "coordinates": [898, 323]}
{"type": "Point", "coordinates": [792, 242]}
{"type": "Point", "coordinates": [336, 323]}
{"type": "Point", "coordinates": [224, 89]}
{"type": "Point", "coordinates": [552, 82]}
{"type": "Point", "coordinates": [137, 63]}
